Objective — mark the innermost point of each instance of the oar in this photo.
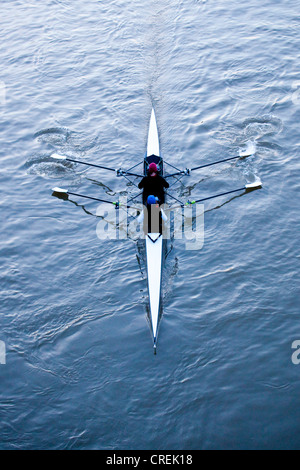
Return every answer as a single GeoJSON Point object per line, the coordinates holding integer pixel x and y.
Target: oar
{"type": "Point", "coordinates": [188, 170]}
{"type": "Point", "coordinates": [248, 188]}
{"type": "Point", "coordinates": [119, 172]}
{"type": "Point", "coordinates": [64, 194]}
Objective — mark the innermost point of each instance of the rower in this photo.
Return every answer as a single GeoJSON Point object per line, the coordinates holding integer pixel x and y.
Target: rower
{"type": "Point", "coordinates": [153, 184]}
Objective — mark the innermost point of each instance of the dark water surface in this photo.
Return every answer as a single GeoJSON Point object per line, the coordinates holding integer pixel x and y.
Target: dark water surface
{"type": "Point", "coordinates": [79, 77]}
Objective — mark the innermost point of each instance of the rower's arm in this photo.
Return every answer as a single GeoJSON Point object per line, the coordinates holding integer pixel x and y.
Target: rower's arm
{"type": "Point", "coordinates": [141, 184]}
{"type": "Point", "coordinates": [165, 183]}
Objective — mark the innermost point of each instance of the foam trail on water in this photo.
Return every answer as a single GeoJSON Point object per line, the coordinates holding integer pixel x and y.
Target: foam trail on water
{"type": "Point", "coordinates": [250, 172]}
{"type": "Point", "coordinates": [249, 150]}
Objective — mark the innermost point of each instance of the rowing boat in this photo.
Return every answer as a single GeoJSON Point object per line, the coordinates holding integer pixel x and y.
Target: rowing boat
{"type": "Point", "coordinates": [154, 241]}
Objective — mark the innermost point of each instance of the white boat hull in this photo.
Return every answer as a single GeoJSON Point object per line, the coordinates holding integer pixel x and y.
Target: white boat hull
{"type": "Point", "coordinates": [154, 249]}
{"type": "Point", "coordinates": [154, 245]}
{"type": "Point", "coordinates": [153, 139]}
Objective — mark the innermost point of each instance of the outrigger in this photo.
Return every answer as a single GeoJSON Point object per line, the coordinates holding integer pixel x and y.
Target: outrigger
{"type": "Point", "coordinates": [154, 241]}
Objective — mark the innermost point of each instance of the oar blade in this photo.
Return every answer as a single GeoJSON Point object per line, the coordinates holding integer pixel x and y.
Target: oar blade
{"type": "Point", "coordinates": [56, 156]}
{"type": "Point", "coordinates": [253, 186]}
{"type": "Point", "coordinates": [60, 190]}
{"type": "Point", "coordinates": [60, 193]}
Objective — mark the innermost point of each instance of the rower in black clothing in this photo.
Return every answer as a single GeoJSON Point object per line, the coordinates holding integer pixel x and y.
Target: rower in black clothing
{"type": "Point", "coordinates": [153, 186]}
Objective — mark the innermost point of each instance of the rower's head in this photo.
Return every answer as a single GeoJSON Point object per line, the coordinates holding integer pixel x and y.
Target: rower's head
{"type": "Point", "coordinates": [151, 200]}
{"type": "Point", "coordinates": [153, 169]}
